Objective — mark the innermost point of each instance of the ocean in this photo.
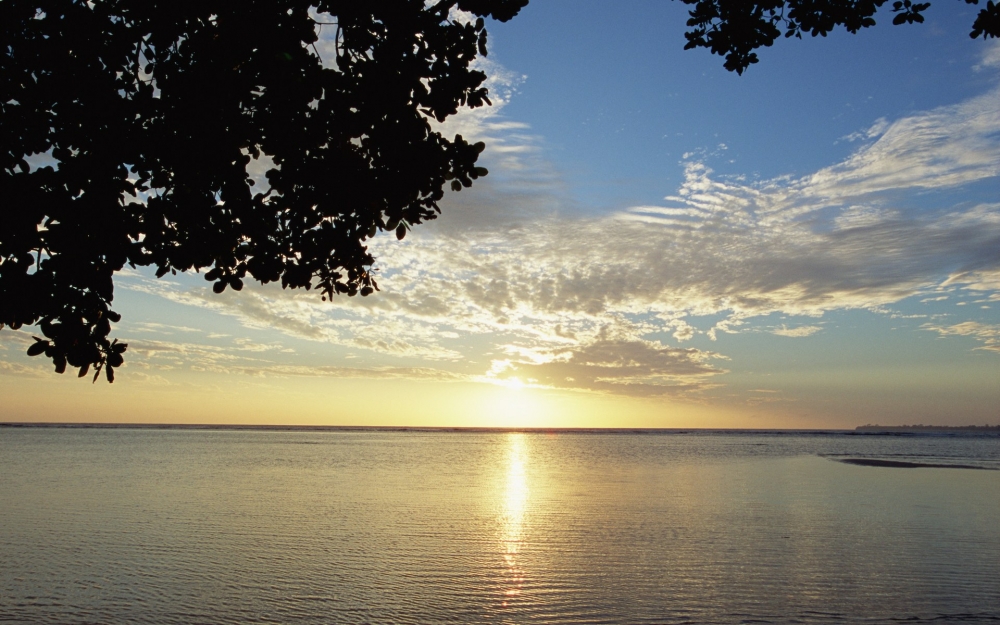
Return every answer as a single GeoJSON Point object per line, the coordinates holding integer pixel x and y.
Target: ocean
{"type": "Point", "coordinates": [188, 526]}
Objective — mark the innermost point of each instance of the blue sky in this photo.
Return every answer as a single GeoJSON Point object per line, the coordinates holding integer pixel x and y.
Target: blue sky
{"type": "Point", "coordinates": [620, 100]}
{"type": "Point", "coordinates": [660, 243]}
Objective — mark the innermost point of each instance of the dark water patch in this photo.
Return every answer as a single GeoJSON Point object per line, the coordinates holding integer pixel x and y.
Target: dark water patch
{"type": "Point", "coordinates": [900, 464]}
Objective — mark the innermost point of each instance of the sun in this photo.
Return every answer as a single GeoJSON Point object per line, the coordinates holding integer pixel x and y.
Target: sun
{"type": "Point", "coordinates": [511, 402]}
{"type": "Point", "coordinates": [514, 384]}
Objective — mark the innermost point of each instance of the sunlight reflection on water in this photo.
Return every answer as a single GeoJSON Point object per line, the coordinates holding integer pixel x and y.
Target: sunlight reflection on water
{"type": "Point", "coordinates": [512, 516]}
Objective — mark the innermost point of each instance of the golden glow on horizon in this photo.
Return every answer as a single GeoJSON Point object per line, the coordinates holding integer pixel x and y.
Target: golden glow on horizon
{"type": "Point", "coordinates": [209, 398]}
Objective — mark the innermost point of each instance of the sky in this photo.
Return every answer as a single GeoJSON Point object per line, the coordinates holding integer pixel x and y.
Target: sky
{"type": "Point", "coordinates": [660, 243]}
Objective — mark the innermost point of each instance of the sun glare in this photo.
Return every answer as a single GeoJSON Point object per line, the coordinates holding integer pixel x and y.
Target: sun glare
{"type": "Point", "coordinates": [513, 383]}
{"type": "Point", "coordinates": [512, 403]}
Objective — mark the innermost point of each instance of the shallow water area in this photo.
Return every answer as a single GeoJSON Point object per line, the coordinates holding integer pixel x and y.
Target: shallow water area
{"type": "Point", "coordinates": [370, 526]}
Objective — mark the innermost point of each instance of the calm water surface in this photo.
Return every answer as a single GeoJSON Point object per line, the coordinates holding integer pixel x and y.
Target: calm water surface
{"type": "Point", "coordinates": [183, 526]}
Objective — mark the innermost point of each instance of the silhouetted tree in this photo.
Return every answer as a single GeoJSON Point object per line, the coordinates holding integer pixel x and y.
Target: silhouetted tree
{"type": "Point", "coordinates": [150, 111]}
{"type": "Point", "coordinates": [735, 28]}
{"type": "Point", "coordinates": [144, 115]}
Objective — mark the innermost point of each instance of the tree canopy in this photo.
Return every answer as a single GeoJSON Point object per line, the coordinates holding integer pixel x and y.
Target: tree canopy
{"type": "Point", "coordinates": [150, 112]}
{"type": "Point", "coordinates": [735, 28]}
{"type": "Point", "coordinates": [127, 128]}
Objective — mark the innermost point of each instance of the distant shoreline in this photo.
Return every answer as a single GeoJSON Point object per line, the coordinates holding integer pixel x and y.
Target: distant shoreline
{"type": "Point", "coordinates": [927, 428]}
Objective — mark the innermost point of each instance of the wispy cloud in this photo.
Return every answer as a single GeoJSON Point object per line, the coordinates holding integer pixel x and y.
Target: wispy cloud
{"type": "Point", "coordinates": [991, 58]}
{"type": "Point", "coordinates": [411, 373]}
{"type": "Point", "coordinates": [18, 369]}
{"type": "Point", "coordinates": [985, 281]}
{"type": "Point", "coordinates": [988, 334]}
{"type": "Point", "coordinates": [629, 367]}
{"type": "Point", "coordinates": [796, 332]}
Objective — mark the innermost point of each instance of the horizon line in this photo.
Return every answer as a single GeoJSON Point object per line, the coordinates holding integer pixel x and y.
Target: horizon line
{"type": "Point", "coordinates": [861, 429]}
{"type": "Point", "coordinates": [429, 428]}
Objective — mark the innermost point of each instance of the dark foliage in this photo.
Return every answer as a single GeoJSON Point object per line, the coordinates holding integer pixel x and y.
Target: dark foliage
{"type": "Point", "coordinates": [151, 110]}
{"type": "Point", "coordinates": [735, 28]}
